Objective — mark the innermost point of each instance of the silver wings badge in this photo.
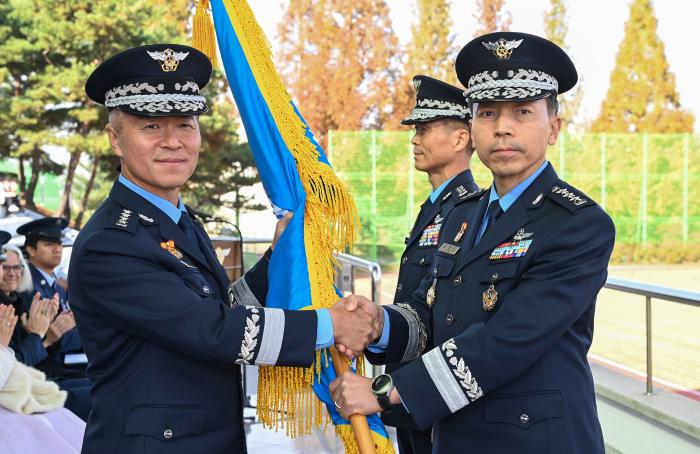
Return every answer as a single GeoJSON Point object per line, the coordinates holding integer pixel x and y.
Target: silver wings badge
{"type": "Point", "coordinates": [502, 49]}
{"type": "Point", "coordinates": [169, 57]}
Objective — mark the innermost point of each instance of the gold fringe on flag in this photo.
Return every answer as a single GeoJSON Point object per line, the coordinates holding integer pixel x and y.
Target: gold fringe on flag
{"type": "Point", "coordinates": [331, 223]}
{"type": "Point", "coordinates": [203, 35]}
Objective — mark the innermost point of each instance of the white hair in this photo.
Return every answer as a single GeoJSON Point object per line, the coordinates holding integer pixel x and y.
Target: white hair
{"type": "Point", "coordinates": [25, 282]}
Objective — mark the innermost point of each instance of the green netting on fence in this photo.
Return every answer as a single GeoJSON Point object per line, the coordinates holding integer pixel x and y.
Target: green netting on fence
{"type": "Point", "coordinates": [649, 183]}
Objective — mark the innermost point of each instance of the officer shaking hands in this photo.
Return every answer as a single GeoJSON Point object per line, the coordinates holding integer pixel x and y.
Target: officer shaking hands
{"type": "Point", "coordinates": [442, 149]}
{"type": "Point", "coordinates": [163, 332]}
{"type": "Point", "coordinates": [508, 308]}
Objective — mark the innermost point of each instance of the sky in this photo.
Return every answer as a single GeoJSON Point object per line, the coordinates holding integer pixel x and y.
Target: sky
{"type": "Point", "coordinates": [596, 28]}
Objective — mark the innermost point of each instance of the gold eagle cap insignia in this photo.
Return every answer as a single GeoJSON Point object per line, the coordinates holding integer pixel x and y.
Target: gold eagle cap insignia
{"type": "Point", "coordinates": [502, 49]}
{"type": "Point", "coordinates": [169, 57]}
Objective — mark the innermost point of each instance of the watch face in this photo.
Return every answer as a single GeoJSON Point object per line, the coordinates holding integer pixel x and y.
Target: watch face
{"type": "Point", "coordinates": [382, 384]}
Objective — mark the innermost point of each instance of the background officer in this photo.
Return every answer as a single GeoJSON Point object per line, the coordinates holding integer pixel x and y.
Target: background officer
{"type": "Point", "coordinates": [442, 149]}
{"type": "Point", "coordinates": [510, 304]}
{"type": "Point", "coordinates": [151, 301]}
{"type": "Point", "coordinates": [44, 249]}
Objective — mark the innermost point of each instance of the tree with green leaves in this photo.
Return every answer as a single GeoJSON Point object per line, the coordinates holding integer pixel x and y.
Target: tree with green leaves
{"type": "Point", "coordinates": [556, 29]}
{"type": "Point", "coordinates": [225, 165]}
{"type": "Point", "coordinates": [48, 48]}
{"type": "Point", "coordinates": [642, 96]}
{"type": "Point", "coordinates": [491, 17]}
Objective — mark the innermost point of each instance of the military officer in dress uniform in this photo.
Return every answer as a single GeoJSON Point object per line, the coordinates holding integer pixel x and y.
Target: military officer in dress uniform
{"type": "Point", "coordinates": [442, 149]}
{"type": "Point", "coordinates": [163, 332]}
{"type": "Point", "coordinates": [508, 308]}
{"type": "Point", "coordinates": [44, 248]}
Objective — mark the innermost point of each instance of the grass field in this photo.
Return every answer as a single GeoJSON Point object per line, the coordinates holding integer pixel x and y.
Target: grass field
{"type": "Point", "coordinates": [620, 324]}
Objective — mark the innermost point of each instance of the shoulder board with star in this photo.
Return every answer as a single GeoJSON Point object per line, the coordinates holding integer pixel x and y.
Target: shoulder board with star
{"type": "Point", "coordinates": [569, 197]}
{"type": "Point", "coordinates": [124, 219]}
{"type": "Point", "coordinates": [461, 194]}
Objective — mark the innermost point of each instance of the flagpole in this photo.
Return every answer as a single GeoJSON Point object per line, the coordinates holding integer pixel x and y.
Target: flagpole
{"type": "Point", "coordinates": [359, 422]}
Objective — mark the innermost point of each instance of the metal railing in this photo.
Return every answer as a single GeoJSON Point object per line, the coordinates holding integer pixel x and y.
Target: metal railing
{"type": "Point", "coordinates": [658, 292]}
{"type": "Point", "coordinates": [350, 263]}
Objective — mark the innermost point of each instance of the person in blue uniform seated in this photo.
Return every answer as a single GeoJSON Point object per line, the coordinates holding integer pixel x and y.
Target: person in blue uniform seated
{"type": "Point", "coordinates": [164, 331]}
{"type": "Point", "coordinates": [44, 249]}
{"type": "Point", "coordinates": [43, 245]}
{"type": "Point", "coordinates": [509, 306]}
{"type": "Point", "coordinates": [442, 149]}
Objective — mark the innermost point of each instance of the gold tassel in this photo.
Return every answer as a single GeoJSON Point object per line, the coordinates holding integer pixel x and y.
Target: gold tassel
{"type": "Point", "coordinates": [331, 223]}
{"type": "Point", "coordinates": [203, 36]}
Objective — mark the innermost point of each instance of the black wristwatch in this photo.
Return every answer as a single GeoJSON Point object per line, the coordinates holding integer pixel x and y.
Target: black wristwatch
{"type": "Point", "coordinates": [381, 387]}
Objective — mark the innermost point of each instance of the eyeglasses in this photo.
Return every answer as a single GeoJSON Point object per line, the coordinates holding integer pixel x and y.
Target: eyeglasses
{"type": "Point", "coordinates": [19, 269]}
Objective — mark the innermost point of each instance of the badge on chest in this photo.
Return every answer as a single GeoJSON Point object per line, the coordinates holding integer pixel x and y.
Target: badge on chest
{"type": "Point", "coordinates": [430, 235]}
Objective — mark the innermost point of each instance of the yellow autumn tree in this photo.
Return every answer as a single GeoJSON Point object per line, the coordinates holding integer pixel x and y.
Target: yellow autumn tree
{"type": "Point", "coordinates": [642, 96]}
{"type": "Point", "coordinates": [431, 51]}
{"type": "Point", "coordinates": [556, 29]}
{"type": "Point", "coordinates": [491, 17]}
{"type": "Point", "coordinates": [339, 61]}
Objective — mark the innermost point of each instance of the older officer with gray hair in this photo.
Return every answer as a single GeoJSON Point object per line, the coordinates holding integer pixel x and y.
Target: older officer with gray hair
{"type": "Point", "coordinates": [163, 338]}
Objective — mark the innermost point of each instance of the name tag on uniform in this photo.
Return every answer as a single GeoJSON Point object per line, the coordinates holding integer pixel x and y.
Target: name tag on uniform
{"type": "Point", "coordinates": [449, 248]}
{"type": "Point", "coordinates": [430, 235]}
{"type": "Point", "coordinates": [510, 250]}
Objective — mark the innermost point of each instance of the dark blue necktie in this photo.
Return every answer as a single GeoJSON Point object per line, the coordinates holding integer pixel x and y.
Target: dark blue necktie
{"type": "Point", "coordinates": [493, 212]}
{"type": "Point", "coordinates": [187, 227]}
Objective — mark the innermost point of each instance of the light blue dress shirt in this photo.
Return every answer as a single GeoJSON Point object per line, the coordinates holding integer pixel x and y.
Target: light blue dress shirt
{"type": "Point", "coordinates": [172, 211]}
{"type": "Point", "coordinates": [50, 279]}
{"type": "Point", "coordinates": [509, 199]}
{"type": "Point", "coordinates": [434, 195]}
{"type": "Point", "coordinates": [324, 328]}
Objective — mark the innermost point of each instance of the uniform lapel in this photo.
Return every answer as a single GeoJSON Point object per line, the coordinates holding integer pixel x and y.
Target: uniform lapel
{"type": "Point", "coordinates": [507, 225]}
{"type": "Point", "coordinates": [210, 255]}
{"type": "Point", "coordinates": [427, 214]}
{"type": "Point", "coordinates": [167, 228]}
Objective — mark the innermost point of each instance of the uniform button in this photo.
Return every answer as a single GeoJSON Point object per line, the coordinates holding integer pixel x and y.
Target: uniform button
{"type": "Point", "coordinates": [450, 319]}
{"type": "Point", "coordinates": [168, 434]}
{"type": "Point", "coordinates": [524, 418]}
{"type": "Point", "coordinates": [457, 281]}
{"type": "Point", "coordinates": [404, 260]}
{"type": "Point", "coordinates": [206, 290]}
{"type": "Point", "coordinates": [399, 287]}
{"type": "Point", "coordinates": [422, 260]}
{"type": "Point", "coordinates": [494, 276]}
{"type": "Point", "coordinates": [434, 270]}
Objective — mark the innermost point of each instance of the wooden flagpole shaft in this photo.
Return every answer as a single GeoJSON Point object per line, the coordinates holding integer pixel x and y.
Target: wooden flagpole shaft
{"type": "Point", "coordinates": [359, 422]}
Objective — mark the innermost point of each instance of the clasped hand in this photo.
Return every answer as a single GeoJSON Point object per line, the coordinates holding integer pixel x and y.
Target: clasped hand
{"type": "Point", "coordinates": [357, 322]}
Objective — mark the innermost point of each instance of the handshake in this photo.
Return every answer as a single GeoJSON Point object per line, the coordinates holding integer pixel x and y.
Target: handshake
{"type": "Point", "coordinates": [357, 323]}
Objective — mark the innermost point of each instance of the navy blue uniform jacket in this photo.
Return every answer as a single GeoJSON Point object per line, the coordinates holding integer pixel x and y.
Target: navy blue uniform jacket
{"type": "Point", "coordinates": [421, 245]}
{"type": "Point", "coordinates": [163, 339]}
{"type": "Point", "coordinates": [513, 378]}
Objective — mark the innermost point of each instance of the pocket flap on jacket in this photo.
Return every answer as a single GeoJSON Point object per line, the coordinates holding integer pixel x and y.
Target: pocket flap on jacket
{"type": "Point", "coordinates": [165, 422]}
{"type": "Point", "coordinates": [524, 410]}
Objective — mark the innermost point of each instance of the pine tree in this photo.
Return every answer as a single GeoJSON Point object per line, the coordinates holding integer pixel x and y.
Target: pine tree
{"type": "Point", "coordinates": [431, 51]}
{"type": "Point", "coordinates": [642, 96]}
{"type": "Point", "coordinates": [338, 60]}
{"type": "Point", "coordinates": [491, 17]}
{"type": "Point", "coordinates": [556, 29]}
